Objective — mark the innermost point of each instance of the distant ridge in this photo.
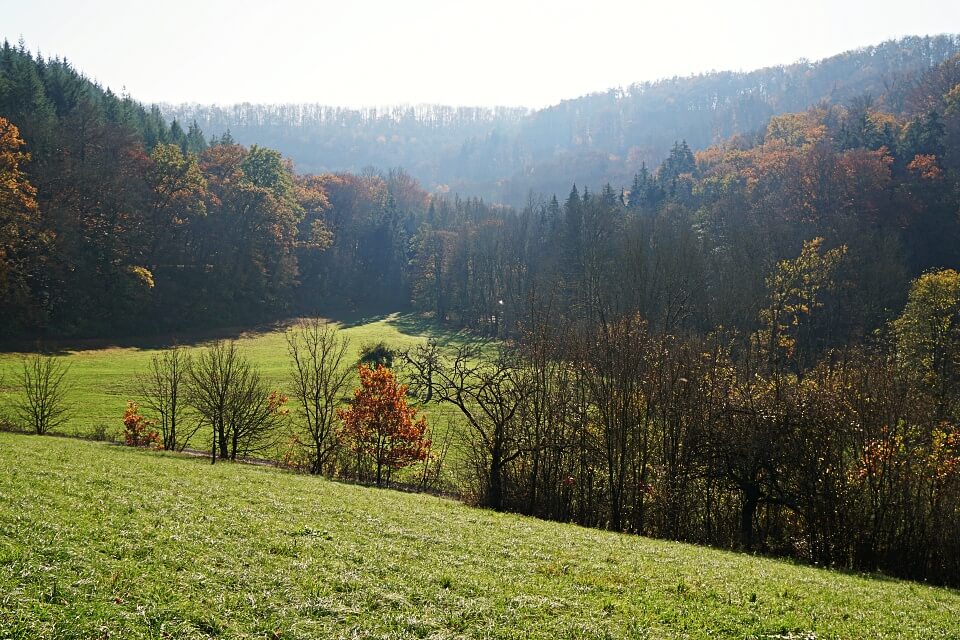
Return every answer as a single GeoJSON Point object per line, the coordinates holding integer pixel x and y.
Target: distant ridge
{"type": "Point", "coordinates": [503, 153]}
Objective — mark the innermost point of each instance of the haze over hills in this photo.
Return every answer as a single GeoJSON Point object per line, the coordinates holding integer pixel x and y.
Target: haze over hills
{"type": "Point", "coordinates": [704, 311]}
{"type": "Point", "coordinates": [740, 329]}
{"type": "Point", "coordinates": [503, 154]}
{"type": "Point", "coordinates": [755, 346]}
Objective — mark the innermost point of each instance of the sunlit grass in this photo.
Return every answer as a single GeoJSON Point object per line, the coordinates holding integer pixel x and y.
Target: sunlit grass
{"type": "Point", "coordinates": [103, 378]}
{"type": "Point", "coordinates": [101, 541]}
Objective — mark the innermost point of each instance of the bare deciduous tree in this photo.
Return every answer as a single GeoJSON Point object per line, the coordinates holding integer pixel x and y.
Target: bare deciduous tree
{"type": "Point", "coordinates": [424, 359]}
{"type": "Point", "coordinates": [318, 378]}
{"type": "Point", "coordinates": [42, 403]}
{"type": "Point", "coordinates": [163, 387]}
{"type": "Point", "coordinates": [232, 398]}
{"type": "Point", "coordinates": [488, 393]}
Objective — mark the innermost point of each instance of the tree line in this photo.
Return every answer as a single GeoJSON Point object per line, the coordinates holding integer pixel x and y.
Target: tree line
{"type": "Point", "coordinates": [732, 440]}
{"type": "Point", "coordinates": [115, 221]}
{"type": "Point", "coordinates": [218, 397]}
{"type": "Point", "coordinates": [689, 245]}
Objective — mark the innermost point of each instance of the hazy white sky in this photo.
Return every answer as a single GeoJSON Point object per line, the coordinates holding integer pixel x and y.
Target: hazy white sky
{"type": "Point", "coordinates": [373, 52]}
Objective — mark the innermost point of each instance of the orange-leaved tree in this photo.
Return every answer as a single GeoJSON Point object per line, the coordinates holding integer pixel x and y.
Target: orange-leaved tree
{"type": "Point", "coordinates": [138, 431]}
{"type": "Point", "coordinates": [18, 206]}
{"type": "Point", "coordinates": [380, 426]}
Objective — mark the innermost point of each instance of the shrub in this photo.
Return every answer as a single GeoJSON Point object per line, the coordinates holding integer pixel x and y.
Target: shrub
{"type": "Point", "coordinates": [378, 353]}
{"type": "Point", "coordinates": [138, 431]}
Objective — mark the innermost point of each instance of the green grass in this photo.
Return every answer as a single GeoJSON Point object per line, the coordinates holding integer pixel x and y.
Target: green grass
{"type": "Point", "coordinates": [103, 378]}
{"type": "Point", "coordinates": [101, 541]}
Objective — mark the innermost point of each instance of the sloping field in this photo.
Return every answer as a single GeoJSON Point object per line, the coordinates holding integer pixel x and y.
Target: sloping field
{"type": "Point", "coordinates": [100, 541]}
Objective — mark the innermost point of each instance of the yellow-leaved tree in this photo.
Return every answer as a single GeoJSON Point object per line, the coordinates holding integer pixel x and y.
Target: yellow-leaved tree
{"type": "Point", "coordinates": [928, 336]}
{"type": "Point", "coordinates": [795, 289]}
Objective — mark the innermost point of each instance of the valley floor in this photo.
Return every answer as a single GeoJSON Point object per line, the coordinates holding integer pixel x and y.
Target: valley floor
{"type": "Point", "coordinates": [103, 375]}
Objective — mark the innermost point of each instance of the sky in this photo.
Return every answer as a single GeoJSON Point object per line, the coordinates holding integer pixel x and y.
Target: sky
{"type": "Point", "coordinates": [455, 52]}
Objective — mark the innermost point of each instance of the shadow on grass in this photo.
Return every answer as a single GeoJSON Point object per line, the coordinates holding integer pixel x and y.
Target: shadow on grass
{"type": "Point", "coordinates": [406, 322]}
{"type": "Point", "coordinates": [420, 325]}
{"type": "Point", "coordinates": [184, 338]}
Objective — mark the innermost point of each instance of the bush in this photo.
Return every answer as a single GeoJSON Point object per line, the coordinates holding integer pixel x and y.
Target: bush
{"type": "Point", "coordinates": [7, 423]}
{"type": "Point", "coordinates": [379, 353]}
{"type": "Point", "coordinates": [137, 430]}
{"type": "Point", "coordinates": [296, 454]}
{"type": "Point", "coordinates": [379, 426]}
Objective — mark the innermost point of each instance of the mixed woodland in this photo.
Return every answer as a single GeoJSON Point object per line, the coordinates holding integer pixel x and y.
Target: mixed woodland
{"type": "Point", "coordinates": [741, 329]}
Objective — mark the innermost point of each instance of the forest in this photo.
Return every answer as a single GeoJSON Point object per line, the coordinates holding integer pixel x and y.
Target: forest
{"type": "Point", "coordinates": [745, 334]}
{"type": "Point", "coordinates": [502, 154]}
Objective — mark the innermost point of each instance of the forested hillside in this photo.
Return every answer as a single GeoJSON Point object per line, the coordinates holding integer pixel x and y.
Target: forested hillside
{"type": "Point", "coordinates": [502, 154]}
{"type": "Point", "coordinates": [756, 346]}
{"type": "Point", "coordinates": [114, 220]}
{"type": "Point", "coordinates": [119, 221]}
{"type": "Point", "coordinates": [753, 345]}
{"type": "Point", "coordinates": [694, 244]}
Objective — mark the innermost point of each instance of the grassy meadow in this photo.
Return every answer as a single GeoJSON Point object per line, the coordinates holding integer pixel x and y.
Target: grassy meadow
{"type": "Point", "coordinates": [103, 377]}
{"type": "Point", "coordinates": [102, 541]}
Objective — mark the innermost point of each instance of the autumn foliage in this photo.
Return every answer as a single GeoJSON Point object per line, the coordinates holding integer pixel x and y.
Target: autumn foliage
{"type": "Point", "coordinates": [139, 431]}
{"type": "Point", "coordinates": [379, 426]}
{"type": "Point", "coordinates": [16, 193]}
{"type": "Point", "coordinates": [18, 206]}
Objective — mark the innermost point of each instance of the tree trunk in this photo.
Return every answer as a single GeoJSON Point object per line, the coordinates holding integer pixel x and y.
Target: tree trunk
{"type": "Point", "coordinates": [751, 500]}
{"type": "Point", "coordinates": [222, 436]}
{"type": "Point", "coordinates": [213, 448]}
{"type": "Point", "coordinates": [494, 498]}
{"type": "Point", "coordinates": [317, 465]}
{"type": "Point", "coordinates": [495, 483]}
{"type": "Point", "coordinates": [532, 496]}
